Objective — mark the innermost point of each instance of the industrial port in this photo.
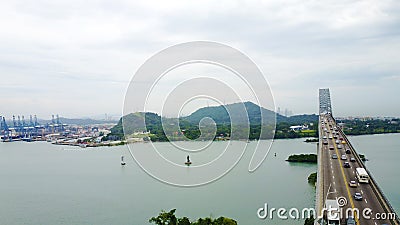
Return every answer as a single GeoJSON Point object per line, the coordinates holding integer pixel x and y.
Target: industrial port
{"type": "Point", "coordinates": [55, 132]}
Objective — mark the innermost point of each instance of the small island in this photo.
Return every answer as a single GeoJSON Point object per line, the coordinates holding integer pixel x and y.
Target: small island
{"type": "Point", "coordinates": [306, 158]}
{"type": "Point", "coordinates": [312, 178]}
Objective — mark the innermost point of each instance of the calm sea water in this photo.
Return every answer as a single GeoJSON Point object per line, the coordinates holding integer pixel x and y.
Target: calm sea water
{"type": "Point", "coordinates": [46, 184]}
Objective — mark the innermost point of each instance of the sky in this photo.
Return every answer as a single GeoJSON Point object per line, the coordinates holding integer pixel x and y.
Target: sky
{"type": "Point", "coordinates": [76, 58]}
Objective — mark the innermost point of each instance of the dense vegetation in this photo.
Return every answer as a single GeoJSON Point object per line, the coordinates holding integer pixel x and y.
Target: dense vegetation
{"type": "Point", "coordinates": [309, 221]}
{"type": "Point", "coordinates": [371, 126]}
{"type": "Point", "coordinates": [308, 158]}
{"type": "Point", "coordinates": [218, 125]}
{"type": "Point", "coordinates": [283, 129]}
{"type": "Point", "coordinates": [169, 218]}
{"type": "Point", "coordinates": [312, 178]}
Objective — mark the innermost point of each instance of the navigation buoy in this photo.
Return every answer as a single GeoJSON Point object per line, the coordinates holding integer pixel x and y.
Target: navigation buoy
{"type": "Point", "coordinates": [188, 161]}
{"type": "Point", "coordinates": [122, 160]}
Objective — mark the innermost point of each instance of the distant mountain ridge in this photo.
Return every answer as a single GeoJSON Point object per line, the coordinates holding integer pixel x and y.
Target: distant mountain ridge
{"type": "Point", "coordinates": [136, 121]}
{"type": "Point", "coordinates": [298, 119]}
{"type": "Point", "coordinates": [220, 116]}
{"type": "Point", "coordinates": [240, 113]}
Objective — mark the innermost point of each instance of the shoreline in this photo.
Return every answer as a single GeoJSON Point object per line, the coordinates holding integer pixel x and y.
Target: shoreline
{"type": "Point", "coordinates": [124, 142]}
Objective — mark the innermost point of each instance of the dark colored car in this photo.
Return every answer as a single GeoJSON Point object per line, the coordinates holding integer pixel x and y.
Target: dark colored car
{"type": "Point", "coordinates": [346, 165]}
{"type": "Point", "coordinates": [358, 196]}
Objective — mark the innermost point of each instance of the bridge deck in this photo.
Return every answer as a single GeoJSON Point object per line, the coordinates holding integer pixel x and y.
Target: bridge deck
{"type": "Point", "coordinates": [334, 178]}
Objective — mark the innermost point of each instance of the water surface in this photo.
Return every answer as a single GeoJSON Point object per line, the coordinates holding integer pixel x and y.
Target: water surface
{"type": "Point", "coordinates": [47, 184]}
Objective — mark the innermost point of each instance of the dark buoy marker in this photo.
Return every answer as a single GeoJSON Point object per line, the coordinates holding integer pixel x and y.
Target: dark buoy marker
{"type": "Point", "coordinates": [122, 160]}
{"type": "Point", "coordinates": [188, 161]}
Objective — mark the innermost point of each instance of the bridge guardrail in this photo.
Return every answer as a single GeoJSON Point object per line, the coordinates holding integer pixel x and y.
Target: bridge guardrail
{"type": "Point", "coordinates": [319, 186]}
{"type": "Point", "coordinates": [381, 196]}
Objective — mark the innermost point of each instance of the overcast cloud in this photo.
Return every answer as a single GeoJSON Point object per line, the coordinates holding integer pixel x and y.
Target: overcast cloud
{"type": "Point", "coordinates": [75, 58]}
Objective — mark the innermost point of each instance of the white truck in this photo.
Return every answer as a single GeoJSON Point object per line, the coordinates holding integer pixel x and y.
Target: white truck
{"type": "Point", "coordinates": [362, 175]}
{"type": "Point", "coordinates": [332, 212]}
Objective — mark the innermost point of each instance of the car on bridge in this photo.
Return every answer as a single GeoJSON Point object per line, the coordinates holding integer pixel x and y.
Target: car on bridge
{"type": "Point", "coordinates": [343, 157]}
{"type": "Point", "coordinates": [348, 151]}
{"type": "Point", "coordinates": [358, 196]}
{"type": "Point", "coordinates": [350, 221]}
{"type": "Point", "coordinates": [352, 159]}
{"type": "Point", "coordinates": [339, 146]}
{"type": "Point", "coordinates": [331, 147]}
{"type": "Point", "coordinates": [353, 183]}
{"type": "Point", "coordinates": [334, 156]}
{"type": "Point", "coordinates": [346, 165]}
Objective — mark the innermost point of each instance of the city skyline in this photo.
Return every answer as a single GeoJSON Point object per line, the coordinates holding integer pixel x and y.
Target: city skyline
{"type": "Point", "coordinates": [76, 59]}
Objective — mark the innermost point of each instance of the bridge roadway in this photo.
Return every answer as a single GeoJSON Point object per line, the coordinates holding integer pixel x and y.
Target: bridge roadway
{"type": "Point", "coordinates": [335, 177]}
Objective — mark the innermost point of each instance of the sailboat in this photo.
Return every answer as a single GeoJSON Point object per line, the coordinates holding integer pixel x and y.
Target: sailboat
{"type": "Point", "coordinates": [122, 160]}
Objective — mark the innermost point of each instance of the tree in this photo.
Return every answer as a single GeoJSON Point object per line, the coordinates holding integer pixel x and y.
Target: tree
{"type": "Point", "coordinates": [309, 221]}
{"type": "Point", "coordinates": [183, 221]}
{"type": "Point", "coordinates": [224, 221]}
{"type": "Point", "coordinates": [165, 218]}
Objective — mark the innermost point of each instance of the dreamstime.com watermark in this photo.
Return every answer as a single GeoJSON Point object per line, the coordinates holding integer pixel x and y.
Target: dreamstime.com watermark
{"type": "Point", "coordinates": [284, 214]}
{"type": "Point", "coordinates": [331, 212]}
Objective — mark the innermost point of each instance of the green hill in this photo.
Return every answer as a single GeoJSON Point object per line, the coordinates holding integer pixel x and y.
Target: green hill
{"type": "Point", "coordinates": [241, 115]}
{"type": "Point", "coordinates": [135, 122]}
{"type": "Point", "coordinates": [298, 119]}
{"type": "Point", "coordinates": [220, 114]}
